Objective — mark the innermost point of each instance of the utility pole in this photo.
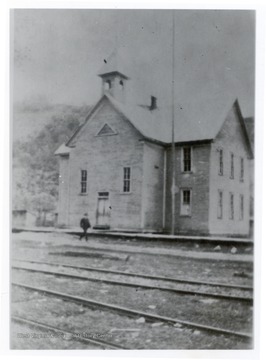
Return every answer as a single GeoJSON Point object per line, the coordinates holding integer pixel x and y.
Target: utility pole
{"type": "Point", "coordinates": [173, 126]}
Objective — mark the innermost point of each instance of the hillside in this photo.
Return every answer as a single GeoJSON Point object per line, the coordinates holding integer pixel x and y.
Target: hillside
{"type": "Point", "coordinates": [30, 119]}
{"type": "Point", "coordinates": [37, 133]}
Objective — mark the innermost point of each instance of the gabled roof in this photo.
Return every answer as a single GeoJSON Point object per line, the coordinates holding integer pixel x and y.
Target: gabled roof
{"type": "Point", "coordinates": [244, 128]}
{"type": "Point", "coordinates": [193, 124]}
{"type": "Point", "coordinates": [198, 122]}
{"type": "Point", "coordinates": [152, 124]}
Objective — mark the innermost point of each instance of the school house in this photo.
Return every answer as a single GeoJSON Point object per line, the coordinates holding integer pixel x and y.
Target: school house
{"type": "Point", "coordinates": [118, 166]}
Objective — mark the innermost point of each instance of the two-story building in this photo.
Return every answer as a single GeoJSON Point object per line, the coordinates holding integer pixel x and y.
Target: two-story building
{"type": "Point", "coordinates": [118, 167]}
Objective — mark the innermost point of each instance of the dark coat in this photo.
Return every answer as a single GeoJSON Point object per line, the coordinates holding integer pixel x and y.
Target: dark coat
{"type": "Point", "coordinates": [85, 223]}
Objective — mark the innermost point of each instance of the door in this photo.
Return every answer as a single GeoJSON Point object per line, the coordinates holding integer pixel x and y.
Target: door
{"type": "Point", "coordinates": [103, 210]}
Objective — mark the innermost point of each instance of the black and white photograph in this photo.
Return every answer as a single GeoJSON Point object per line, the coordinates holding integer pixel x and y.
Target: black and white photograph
{"type": "Point", "coordinates": [132, 179]}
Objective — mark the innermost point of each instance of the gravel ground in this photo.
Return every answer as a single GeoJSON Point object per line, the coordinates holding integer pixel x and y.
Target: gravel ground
{"type": "Point", "coordinates": [63, 248]}
{"type": "Point", "coordinates": [130, 333]}
{"type": "Point", "coordinates": [194, 245]}
{"type": "Point", "coordinates": [185, 244]}
{"type": "Point", "coordinates": [232, 315]}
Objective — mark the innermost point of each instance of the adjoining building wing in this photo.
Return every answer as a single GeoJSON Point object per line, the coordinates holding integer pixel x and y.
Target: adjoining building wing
{"type": "Point", "coordinates": [243, 128]}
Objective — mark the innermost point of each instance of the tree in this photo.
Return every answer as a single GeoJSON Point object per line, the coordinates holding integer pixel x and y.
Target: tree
{"type": "Point", "coordinates": [43, 203]}
{"type": "Point", "coordinates": [35, 168]}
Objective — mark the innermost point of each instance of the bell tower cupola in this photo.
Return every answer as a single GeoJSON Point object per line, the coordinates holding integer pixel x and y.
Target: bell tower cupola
{"type": "Point", "coordinates": [113, 78]}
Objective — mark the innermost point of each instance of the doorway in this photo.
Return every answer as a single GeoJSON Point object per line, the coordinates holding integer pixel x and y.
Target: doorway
{"type": "Point", "coordinates": [103, 212]}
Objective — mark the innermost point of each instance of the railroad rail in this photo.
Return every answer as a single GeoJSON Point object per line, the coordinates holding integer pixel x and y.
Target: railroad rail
{"type": "Point", "coordinates": [152, 277]}
{"type": "Point", "coordinates": [131, 312]}
{"type": "Point", "coordinates": [87, 340]}
{"type": "Point", "coordinates": [247, 299]}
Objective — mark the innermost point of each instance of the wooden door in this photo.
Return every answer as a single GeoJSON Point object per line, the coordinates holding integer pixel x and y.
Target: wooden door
{"type": "Point", "coordinates": [103, 210]}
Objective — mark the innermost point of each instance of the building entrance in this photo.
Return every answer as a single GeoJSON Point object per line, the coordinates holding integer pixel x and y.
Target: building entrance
{"type": "Point", "coordinates": [103, 213]}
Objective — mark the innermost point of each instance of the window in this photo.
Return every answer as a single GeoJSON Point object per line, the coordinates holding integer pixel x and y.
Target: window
{"type": "Point", "coordinates": [126, 179]}
{"type": "Point", "coordinates": [220, 205]}
{"type": "Point", "coordinates": [103, 194]}
{"type": "Point", "coordinates": [121, 84]}
{"type": "Point", "coordinates": [185, 202]}
{"type": "Point", "coordinates": [241, 169]}
{"type": "Point", "coordinates": [83, 182]}
{"type": "Point", "coordinates": [231, 206]}
{"type": "Point", "coordinates": [187, 159]}
{"type": "Point", "coordinates": [221, 162]}
{"type": "Point", "coordinates": [241, 207]}
{"type": "Point", "coordinates": [232, 166]}
{"type": "Point", "coordinates": [107, 85]}
{"type": "Point", "coordinates": [106, 130]}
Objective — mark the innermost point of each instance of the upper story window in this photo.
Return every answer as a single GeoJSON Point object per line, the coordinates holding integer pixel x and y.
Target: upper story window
{"type": "Point", "coordinates": [241, 207]}
{"type": "Point", "coordinates": [83, 182]}
{"type": "Point", "coordinates": [221, 162]}
{"type": "Point", "coordinates": [186, 197]}
{"type": "Point", "coordinates": [126, 179]}
{"type": "Point", "coordinates": [220, 205]}
{"type": "Point", "coordinates": [232, 167]}
{"type": "Point", "coordinates": [231, 214]}
{"type": "Point", "coordinates": [187, 159]}
{"type": "Point", "coordinates": [241, 169]}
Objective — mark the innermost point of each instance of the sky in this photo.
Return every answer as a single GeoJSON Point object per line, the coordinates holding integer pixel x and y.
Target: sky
{"type": "Point", "coordinates": [57, 55]}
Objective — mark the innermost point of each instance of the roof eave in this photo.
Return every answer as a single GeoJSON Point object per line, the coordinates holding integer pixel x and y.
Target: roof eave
{"type": "Point", "coordinates": [191, 142]}
{"type": "Point", "coordinates": [62, 154]}
{"type": "Point", "coordinates": [154, 141]}
{"type": "Point", "coordinates": [93, 109]}
{"type": "Point", "coordinates": [242, 122]}
{"type": "Point", "coordinates": [113, 72]}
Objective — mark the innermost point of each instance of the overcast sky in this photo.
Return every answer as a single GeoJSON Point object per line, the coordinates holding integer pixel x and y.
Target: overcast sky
{"type": "Point", "coordinates": [58, 53]}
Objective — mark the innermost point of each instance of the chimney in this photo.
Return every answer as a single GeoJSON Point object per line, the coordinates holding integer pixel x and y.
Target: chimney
{"type": "Point", "coordinates": [153, 103]}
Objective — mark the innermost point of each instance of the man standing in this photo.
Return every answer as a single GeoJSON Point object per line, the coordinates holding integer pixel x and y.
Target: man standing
{"type": "Point", "coordinates": [85, 225]}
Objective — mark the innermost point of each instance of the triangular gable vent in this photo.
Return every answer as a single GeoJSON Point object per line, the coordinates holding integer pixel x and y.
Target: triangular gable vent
{"type": "Point", "coordinates": [106, 130]}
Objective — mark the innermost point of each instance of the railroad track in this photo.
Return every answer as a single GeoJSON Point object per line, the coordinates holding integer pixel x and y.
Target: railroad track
{"type": "Point", "coordinates": [247, 299]}
{"type": "Point", "coordinates": [133, 313]}
{"type": "Point", "coordinates": [68, 334]}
